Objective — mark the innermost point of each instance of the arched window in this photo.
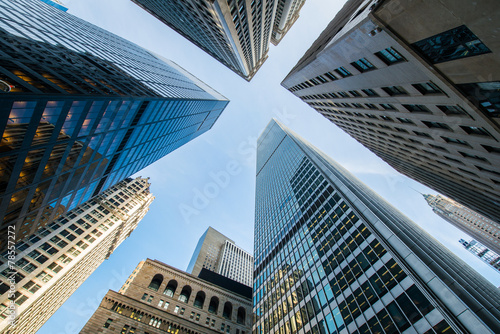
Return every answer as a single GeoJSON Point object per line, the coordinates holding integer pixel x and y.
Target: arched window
{"type": "Point", "coordinates": [214, 305]}
{"type": "Point", "coordinates": [241, 316]}
{"type": "Point", "coordinates": [185, 294]}
{"type": "Point", "coordinates": [200, 299]}
{"type": "Point", "coordinates": [156, 282]}
{"type": "Point", "coordinates": [170, 289]}
{"type": "Point", "coordinates": [228, 310]}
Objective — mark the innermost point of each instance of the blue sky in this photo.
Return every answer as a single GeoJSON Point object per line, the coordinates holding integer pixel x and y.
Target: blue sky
{"type": "Point", "coordinates": [211, 180]}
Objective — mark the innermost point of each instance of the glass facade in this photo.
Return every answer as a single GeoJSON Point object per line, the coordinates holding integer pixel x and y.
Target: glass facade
{"type": "Point", "coordinates": [85, 110]}
{"type": "Point", "coordinates": [452, 44]}
{"type": "Point", "coordinates": [324, 260]}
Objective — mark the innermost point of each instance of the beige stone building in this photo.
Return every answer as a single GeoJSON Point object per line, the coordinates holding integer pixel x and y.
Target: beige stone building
{"type": "Point", "coordinates": [478, 226]}
{"type": "Point", "coordinates": [52, 263]}
{"type": "Point", "coordinates": [418, 83]}
{"type": "Point", "coordinates": [158, 298]}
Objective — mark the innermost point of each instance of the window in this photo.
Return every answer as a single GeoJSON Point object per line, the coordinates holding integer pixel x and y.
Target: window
{"type": "Point", "coordinates": [390, 56]}
{"type": "Point", "coordinates": [422, 134]}
{"type": "Point", "coordinates": [182, 311]}
{"type": "Point", "coordinates": [485, 95]}
{"type": "Point", "coordinates": [371, 106]}
{"type": "Point", "coordinates": [185, 294]}
{"type": "Point", "coordinates": [37, 256]}
{"type": "Point", "coordinates": [437, 147]}
{"type": "Point", "coordinates": [150, 299]}
{"type": "Point", "coordinates": [416, 108]}
{"type": "Point", "coordinates": [363, 65]}
{"type": "Point", "coordinates": [343, 94]}
{"type": "Point", "coordinates": [191, 316]}
{"type": "Point", "coordinates": [330, 76]}
{"type": "Point", "coordinates": [156, 282]}
{"type": "Point", "coordinates": [452, 110]}
{"type": "Point", "coordinates": [452, 44]}
{"type": "Point", "coordinates": [343, 72]}
{"type": "Point", "coordinates": [491, 149]}
{"type": "Point", "coordinates": [144, 296]}
{"type": "Point", "coordinates": [472, 130]}
{"type": "Point", "coordinates": [48, 248]}
{"type": "Point", "coordinates": [82, 245]}
{"type": "Point", "coordinates": [228, 310]}
{"type": "Point", "coordinates": [436, 125]}
{"type": "Point", "coordinates": [455, 141]}
{"type": "Point", "coordinates": [165, 306]}
{"type": "Point", "coordinates": [176, 310]}
{"type": "Point", "coordinates": [56, 240]}
{"type": "Point", "coordinates": [370, 92]}
{"type": "Point", "coordinates": [73, 251]}
{"type": "Point", "coordinates": [160, 303]}
{"type": "Point", "coordinates": [108, 323]}
{"type": "Point", "coordinates": [405, 120]}
{"type": "Point", "coordinates": [67, 235]}
{"type": "Point", "coordinates": [31, 287]}
{"type": "Point", "coordinates": [472, 156]}
{"type": "Point", "coordinates": [428, 88]}
{"type": "Point", "coordinates": [395, 90]}
{"type": "Point", "coordinates": [65, 259]}
{"type": "Point", "coordinates": [199, 300]}
{"type": "Point", "coordinates": [170, 289]}
{"type": "Point", "coordinates": [214, 305]}
{"type": "Point", "coordinates": [387, 106]}
{"type": "Point", "coordinates": [44, 277]}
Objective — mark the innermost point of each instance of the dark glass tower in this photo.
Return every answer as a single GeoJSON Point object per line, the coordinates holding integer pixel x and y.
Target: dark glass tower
{"type": "Point", "coordinates": [82, 109]}
{"type": "Point", "coordinates": [331, 256]}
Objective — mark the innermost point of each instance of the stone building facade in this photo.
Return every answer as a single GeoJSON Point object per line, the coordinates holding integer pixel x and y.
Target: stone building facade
{"type": "Point", "coordinates": [417, 83]}
{"type": "Point", "coordinates": [158, 298]}
{"type": "Point", "coordinates": [478, 226]}
{"type": "Point", "coordinates": [53, 262]}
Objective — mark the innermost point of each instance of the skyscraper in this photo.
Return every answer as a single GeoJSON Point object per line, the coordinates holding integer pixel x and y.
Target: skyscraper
{"type": "Point", "coordinates": [418, 84]}
{"type": "Point", "coordinates": [331, 256]}
{"type": "Point", "coordinates": [481, 251]}
{"type": "Point", "coordinates": [158, 298]}
{"type": "Point", "coordinates": [481, 228]}
{"type": "Point", "coordinates": [218, 253]}
{"type": "Point", "coordinates": [235, 32]}
{"type": "Point", "coordinates": [287, 12]}
{"type": "Point", "coordinates": [52, 263]}
{"type": "Point", "coordinates": [85, 109]}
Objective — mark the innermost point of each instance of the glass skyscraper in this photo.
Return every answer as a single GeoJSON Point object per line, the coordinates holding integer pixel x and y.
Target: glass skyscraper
{"type": "Point", "coordinates": [82, 109]}
{"type": "Point", "coordinates": [331, 256]}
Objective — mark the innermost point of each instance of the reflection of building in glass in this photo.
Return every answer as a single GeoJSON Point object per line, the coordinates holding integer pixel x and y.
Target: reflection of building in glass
{"type": "Point", "coordinates": [86, 110]}
{"type": "Point", "coordinates": [478, 226]}
{"type": "Point", "coordinates": [158, 298]}
{"type": "Point", "coordinates": [53, 262]}
{"type": "Point", "coordinates": [236, 33]}
{"type": "Point", "coordinates": [331, 256]}
{"type": "Point", "coordinates": [482, 252]}
{"type": "Point", "coordinates": [419, 85]}
{"type": "Point", "coordinates": [218, 253]}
